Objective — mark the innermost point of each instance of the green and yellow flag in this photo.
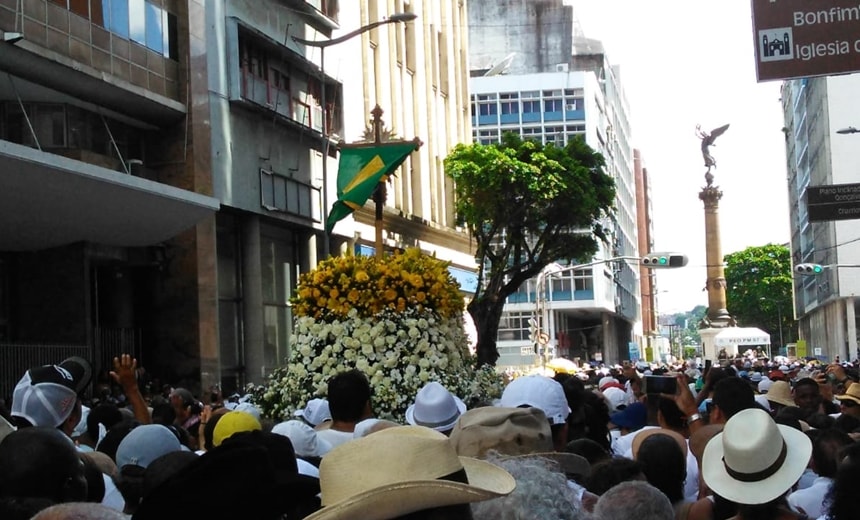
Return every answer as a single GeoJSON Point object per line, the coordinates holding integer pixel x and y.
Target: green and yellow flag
{"type": "Point", "coordinates": [360, 169]}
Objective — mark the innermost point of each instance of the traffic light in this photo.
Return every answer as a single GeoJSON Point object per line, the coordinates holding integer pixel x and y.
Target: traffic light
{"type": "Point", "coordinates": [664, 260]}
{"type": "Point", "coordinates": [808, 269]}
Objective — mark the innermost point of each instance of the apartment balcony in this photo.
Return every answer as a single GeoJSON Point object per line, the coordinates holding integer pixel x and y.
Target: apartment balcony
{"type": "Point", "coordinates": [143, 86]}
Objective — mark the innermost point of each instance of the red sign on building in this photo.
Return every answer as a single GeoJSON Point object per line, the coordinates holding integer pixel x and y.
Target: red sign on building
{"type": "Point", "coordinates": [803, 38]}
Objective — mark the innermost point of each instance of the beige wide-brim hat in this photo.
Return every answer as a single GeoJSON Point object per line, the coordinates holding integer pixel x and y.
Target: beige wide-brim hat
{"type": "Point", "coordinates": [780, 393]}
{"type": "Point", "coordinates": [852, 394]}
{"type": "Point", "coordinates": [640, 437]}
{"type": "Point", "coordinates": [754, 460]}
{"type": "Point", "coordinates": [402, 470]}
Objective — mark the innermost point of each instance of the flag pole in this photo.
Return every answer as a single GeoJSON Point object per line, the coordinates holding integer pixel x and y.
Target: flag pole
{"type": "Point", "coordinates": [379, 194]}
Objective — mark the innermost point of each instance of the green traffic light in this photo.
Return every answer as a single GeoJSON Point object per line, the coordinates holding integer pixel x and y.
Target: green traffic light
{"type": "Point", "coordinates": [817, 269]}
{"type": "Point", "coordinates": [663, 260]}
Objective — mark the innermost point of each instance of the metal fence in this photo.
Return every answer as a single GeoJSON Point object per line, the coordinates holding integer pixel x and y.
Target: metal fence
{"type": "Point", "coordinates": [111, 343]}
{"type": "Point", "coordinates": [16, 358]}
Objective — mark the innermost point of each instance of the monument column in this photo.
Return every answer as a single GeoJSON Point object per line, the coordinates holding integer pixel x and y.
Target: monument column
{"type": "Point", "coordinates": [716, 282]}
{"type": "Point", "coordinates": [718, 317]}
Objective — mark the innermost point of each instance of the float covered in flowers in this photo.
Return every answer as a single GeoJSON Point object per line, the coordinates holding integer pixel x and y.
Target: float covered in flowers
{"type": "Point", "coordinates": [398, 319]}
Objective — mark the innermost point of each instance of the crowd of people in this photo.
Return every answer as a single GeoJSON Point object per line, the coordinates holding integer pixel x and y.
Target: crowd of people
{"type": "Point", "coordinates": [747, 440]}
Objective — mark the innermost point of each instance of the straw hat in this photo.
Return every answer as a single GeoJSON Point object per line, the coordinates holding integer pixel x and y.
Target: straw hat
{"type": "Point", "coordinates": [435, 407]}
{"type": "Point", "coordinates": [640, 437]}
{"type": "Point", "coordinates": [754, 460]}
{"type": "Point", "coordinates": [780, 393]}
{"type": "Point", "coordinates": [402, 470]}
{"type": "Point", "coordinates": [852, 394]}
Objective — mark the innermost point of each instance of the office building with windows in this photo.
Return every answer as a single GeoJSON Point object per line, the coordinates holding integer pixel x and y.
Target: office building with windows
{"type": "Point", "coordinates": [554, 93]}
{"type": "Point", "coordinates": [826, 305]}
{"type": "Point", "coordinates": [101, 208]}
{"type": "Point", "coordinates": [168, 168]}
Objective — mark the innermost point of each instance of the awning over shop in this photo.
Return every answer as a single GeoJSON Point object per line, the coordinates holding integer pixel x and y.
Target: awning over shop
{"type": "Point", "coordinates": [48, 200]}
{"type": "Point", "coordinates": [741, 336]}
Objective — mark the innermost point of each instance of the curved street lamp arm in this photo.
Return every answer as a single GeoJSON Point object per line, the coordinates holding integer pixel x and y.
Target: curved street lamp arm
{"type": "Point", "coordinates": [340, 39]}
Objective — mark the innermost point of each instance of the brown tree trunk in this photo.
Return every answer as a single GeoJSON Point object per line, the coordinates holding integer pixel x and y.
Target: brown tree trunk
{"type": "Point", "coordinates": [486, 314]}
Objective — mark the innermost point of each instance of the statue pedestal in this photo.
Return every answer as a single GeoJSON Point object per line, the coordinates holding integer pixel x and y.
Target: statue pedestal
{"type": "Point", "coordinates": [709, 349]}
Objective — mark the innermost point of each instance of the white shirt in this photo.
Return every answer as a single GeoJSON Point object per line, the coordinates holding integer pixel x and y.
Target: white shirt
{"type": "Point", "coordinates": [806, 479]}
{"type": "Point", "coordinates": [335, 437]}
{"type": "Point", "coordinates": [811, 500]}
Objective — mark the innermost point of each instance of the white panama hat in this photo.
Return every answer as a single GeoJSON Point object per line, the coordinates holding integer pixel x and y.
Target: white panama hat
{"type": "Point", "coordinates": [754, 460]}
{"type": "Point", "coordinates": [435, 407]}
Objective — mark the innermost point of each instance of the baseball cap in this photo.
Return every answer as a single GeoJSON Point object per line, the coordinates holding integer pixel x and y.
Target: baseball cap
{"type": "Point", "coordinates": [315, 412]}
{"type": "Point", "coordinates": [305, 440]}
{"type": "Point", "coordinates": [231, 423]}
{"type": "Point", "coordinates": [540, 392]}
{"type": "Point", "coordinates": [616, 398]}
{"type": "Point", "coordinates": [633, 417]}
{"type": "Point", "coordinates": [144, 444]}
{"type": "Point", "coordinates": [46, 395]}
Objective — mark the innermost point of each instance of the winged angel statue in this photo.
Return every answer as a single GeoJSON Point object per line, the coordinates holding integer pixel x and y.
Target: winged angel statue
{"type": "Point", "coordinates": [708, 141]}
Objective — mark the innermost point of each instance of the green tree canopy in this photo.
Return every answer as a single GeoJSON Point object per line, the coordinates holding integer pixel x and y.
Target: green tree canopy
{"type": "Point", "coordinates": [526, 205]}
{"type": "Point", "coordinates": [758, 290]}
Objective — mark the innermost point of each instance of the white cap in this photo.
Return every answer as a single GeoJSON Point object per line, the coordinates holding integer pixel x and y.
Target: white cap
{"type": "Point", "coordinates": [616, 398]}
{"type": "Point", "coordinates": [605, 381]}
{"type": "Point", "coordinates": [539, 392]}
{"type": "Point", "coordinates": [305, 440]}
{"type": "Point", "coordinates": [315, 412]}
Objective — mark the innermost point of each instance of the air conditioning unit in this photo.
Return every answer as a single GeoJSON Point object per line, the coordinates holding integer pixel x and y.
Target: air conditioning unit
{"type": "Point", "coordinates": [562, 67]}
{"type": "Point", "coordinates": [570, 107]}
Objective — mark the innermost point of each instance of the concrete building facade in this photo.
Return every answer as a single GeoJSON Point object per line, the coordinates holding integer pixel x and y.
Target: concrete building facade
{"type": "Point", "coordinates": [529, 86]}
{"type": "Point", "coordinates": [172, 170]}
{"type": "Point", "coordinates": [826, 305]}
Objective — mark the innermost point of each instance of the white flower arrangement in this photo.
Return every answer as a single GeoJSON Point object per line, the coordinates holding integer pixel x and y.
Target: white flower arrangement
{"type": "Point", "coordinates": [398, 320]}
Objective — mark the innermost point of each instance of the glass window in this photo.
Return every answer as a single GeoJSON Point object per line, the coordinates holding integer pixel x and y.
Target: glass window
{"type": "Point", "coordinates": [118, 17]}
{"type": "Point", "coordinates": [154, 30]}
{"type": "Point", "coordinates": [137, 20]}
{"type": "Point", "coordinates": [489, 109]}
{"type": "Point", "coordinates": [553, 105]}
{"type": "Point", "coordinates": [531, 107]}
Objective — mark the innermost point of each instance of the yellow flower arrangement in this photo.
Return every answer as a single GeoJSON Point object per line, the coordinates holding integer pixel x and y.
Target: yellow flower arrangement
{"type": "Point", "coordinates": [370, 285]}
{"type": "Point", "coordinates": [398, 319]}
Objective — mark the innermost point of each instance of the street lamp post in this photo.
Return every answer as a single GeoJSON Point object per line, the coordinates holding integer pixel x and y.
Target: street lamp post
{"type": "Point", "coordinates": [322, 45]}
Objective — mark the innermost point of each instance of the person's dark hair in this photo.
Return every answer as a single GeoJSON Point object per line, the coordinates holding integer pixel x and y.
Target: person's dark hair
{"type": "Point", "coordinates": [129, 482]}
{"type": "Point", "coordinates": [606, 475]}
{"type": "Point", "coordinates": [826, 449]}
{"type": "Point", "coordinates": [589, 414]}
{"type": "Point", "coordinates": [789, 416]}
{"type": "Point", "coordinates": [41, 462]}
{"type": "Point", "coordinates": [843, 499]}
{"type": "Point", "coordinates": [671, 413]}
{"type": "Point", "coordinates": [22, 508]}
{"type": "Point", "coordinates": [589, 449]}
{"type": "Point", "coordinates": [95, 481]}
{"type": "Point", "coordinates": [847, 423]}
{"type": "Point", "coordinates": [348, 394]}
{"type": "Point", "coordinates": [106, 414]}
{"type": "Point", "coordinates": [114, 436]}
{"type": "Point", "coordinates": [664, 465]}
{"type": "Point", "coordinates": [163, 413]}
{"type": "Point", "coordinates": [806, 381]}
{"type": "Point", "coordinates": [209, 430]}
{"type": "Point", "coordinates": [732, 395]}
{"type": "Point", "coordinates": [773, 509]}
{"type": "Point", "coordinates": [820, 421]}
{"type": "Point", "coordinates": [163, 468]}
